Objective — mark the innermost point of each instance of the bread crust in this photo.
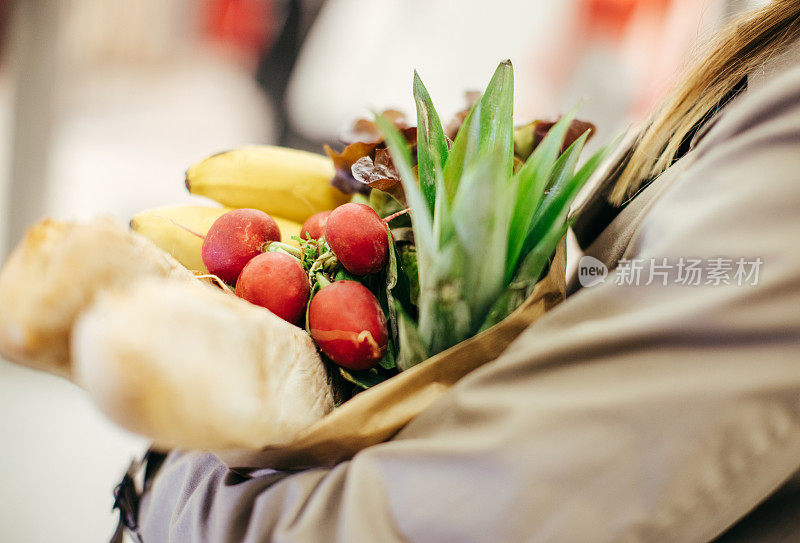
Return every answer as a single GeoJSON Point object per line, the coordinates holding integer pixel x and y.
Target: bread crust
{"type": "Point", "coordinates": [55, 273]}
{"type": "Point", "coordinates": [191, 366]}
{"type": "Point", "coordinates": [161, 353]}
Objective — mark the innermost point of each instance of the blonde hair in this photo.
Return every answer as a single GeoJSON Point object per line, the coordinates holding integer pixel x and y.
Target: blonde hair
{"type": "Point", "coordinates": [745, 44]}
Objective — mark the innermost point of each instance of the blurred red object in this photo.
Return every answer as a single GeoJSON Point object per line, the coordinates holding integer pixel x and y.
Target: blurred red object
{"type": "Point", "coordinates": [611, 18]}
{"type": "Point", "coordinates": [634, 49]}
{"type": "Point", "coordinates": [245, 25]}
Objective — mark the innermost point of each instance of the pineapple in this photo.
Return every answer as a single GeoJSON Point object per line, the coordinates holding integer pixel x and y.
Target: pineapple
{"type": "Point", "coordinates": [484, 233]}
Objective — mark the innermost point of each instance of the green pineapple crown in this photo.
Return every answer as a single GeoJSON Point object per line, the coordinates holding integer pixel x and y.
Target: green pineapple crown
{"type": "Point", "coordinates": [484, 231]}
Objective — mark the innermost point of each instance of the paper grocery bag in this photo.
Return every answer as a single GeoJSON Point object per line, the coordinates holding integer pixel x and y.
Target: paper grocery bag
{"type": "Point", "coordinates": [377, 414]}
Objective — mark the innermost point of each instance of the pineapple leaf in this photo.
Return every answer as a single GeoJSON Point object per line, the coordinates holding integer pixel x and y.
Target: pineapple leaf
{"type": "Point", "coordinates": [481, 213]}
{"type": "Point", "coordinates": [531, 181]}
{"type": "Point", "coordinates": [454, 166]}
{"type": "Point", "coordinates": [411, 349]}
{"type": "Point", "coordinates": [443, 229]}
{"type": "Point", "coordinates": [489, 123]}
{"type": "Point", "coordinates": [482, 202]}
{"type": "Point", "coordinates": [444, 312]}
{"type": "Point", "coordinates": [530, 271]}
{"type": "Point", "coordinates": [555, 209]}
{"type": "Point", "coordinates": [421, 217]}
{"type": "Point", "coordinates": [496, 113]}
{"type": "Point", "coordinates": [431, 143]}
{"type": "Point", "coordinates": [564, 168]}
{"type": "Point", "coordinates": [529, 274]}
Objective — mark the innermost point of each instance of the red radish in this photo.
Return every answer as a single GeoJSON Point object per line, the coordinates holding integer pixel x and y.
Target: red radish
{"type": "Point", "coordinates": [358, 238]}
{"type": "Point", "coordinates": [278, 282]}
{"type": "Point", "coordinates": [314, 227]}
{"type": "Point", "coordinates": [236, 238]}
{"type": "Point", "coordinates": [348, 324]}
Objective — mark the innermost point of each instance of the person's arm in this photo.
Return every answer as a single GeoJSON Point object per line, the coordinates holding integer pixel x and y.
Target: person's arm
{"type": "Point", "coordinates": [660, 413]}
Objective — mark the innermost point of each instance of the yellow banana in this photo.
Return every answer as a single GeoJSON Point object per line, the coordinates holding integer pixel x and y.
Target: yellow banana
{"type": "Point", "coordinates": [169, 228]}
{"type": "Point", "coordinates": [288, 229]}
{"type": "Point", "coordinates": [282, 182]}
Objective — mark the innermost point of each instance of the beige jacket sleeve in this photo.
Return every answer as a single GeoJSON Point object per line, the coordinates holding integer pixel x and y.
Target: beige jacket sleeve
{"type": "Point", "coordinates": [629, 413]}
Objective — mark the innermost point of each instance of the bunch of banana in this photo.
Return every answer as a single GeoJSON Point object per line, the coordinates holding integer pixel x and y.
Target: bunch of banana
{"type": "Point", "coordinates": [279, 181]}
{"type": "Point", "coordinates": [288, 184]}
{"type": "Point", "coordinates": [180, 229]}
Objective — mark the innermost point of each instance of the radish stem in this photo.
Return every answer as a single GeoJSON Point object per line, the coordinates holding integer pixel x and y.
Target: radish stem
{"type": "Point", "coordinates": [280, 247]}
{"type": "Point", "coordinates": [322, 280]}
{"type": "Point", "coordinates": [217, 281]}
{"type": "Point", "coordinates": [179, 225]}
{"type": "Point", "coordinates": [283, 251]}
{"type": "Point", "coordinates": [393, 216]}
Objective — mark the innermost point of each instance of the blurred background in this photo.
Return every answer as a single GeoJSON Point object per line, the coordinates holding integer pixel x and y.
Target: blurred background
{"type": "Point", "coordinates": [104, 103]}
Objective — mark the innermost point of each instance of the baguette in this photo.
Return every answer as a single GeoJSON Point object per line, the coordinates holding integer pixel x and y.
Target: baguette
{"type": "Point", "coordinates": [192, 366]}
{"type": "Point", "coordinates": [56, 272]}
